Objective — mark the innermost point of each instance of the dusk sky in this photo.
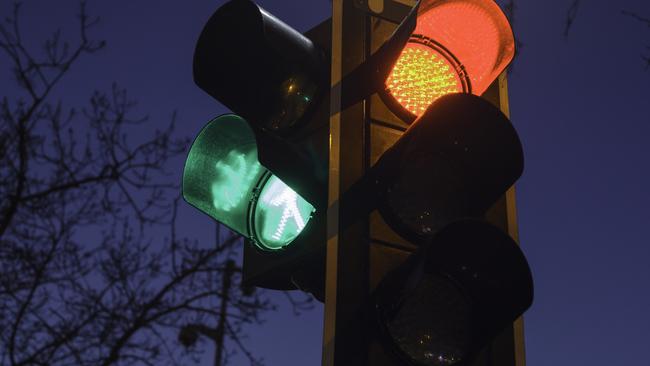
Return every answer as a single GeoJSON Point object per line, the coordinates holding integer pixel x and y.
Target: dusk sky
{"type": "Point", "coordinates": [581, 106]}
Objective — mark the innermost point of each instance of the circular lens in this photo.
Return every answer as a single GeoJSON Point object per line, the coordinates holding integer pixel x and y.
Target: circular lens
{"type": "Point", "coordinates": [432, 324]}
{"type": "Point", "coordinates": [415, 206]}
{"type": "Point", "coordinates": [280, 215]}
{"type": "Point", "coordinates": [420, 76]}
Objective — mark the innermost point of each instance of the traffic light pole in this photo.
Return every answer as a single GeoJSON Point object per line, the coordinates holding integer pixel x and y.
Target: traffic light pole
{"type": "Point", "coordinates": [346, 287]}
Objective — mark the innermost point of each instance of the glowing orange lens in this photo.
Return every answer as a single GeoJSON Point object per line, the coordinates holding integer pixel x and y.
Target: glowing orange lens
{"type": "Point", "coordinates": [475, 32]}
{"type": "Point", "coordinates": [420, 76]}
{"type": "Point", "coordinates": [456, 46]}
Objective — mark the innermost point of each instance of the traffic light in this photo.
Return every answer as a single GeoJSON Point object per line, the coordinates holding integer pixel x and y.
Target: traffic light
{"type": "Point", "coordinates": [440, 47]}
{"type": "Point", "coordinates": [262, 171]}
{"type": "Point", "coordinates": [454, 161]}
{"type": "Point", "coordinates": [457, 46]}
{"type": "Point", "coordinates": [260, 68]}
{"type": "Point", "coordinates": [454, 295]}
{"type": "Point", "coordinates": [465, 280]}
{"type": "Point", "coordinates": [224, 178]}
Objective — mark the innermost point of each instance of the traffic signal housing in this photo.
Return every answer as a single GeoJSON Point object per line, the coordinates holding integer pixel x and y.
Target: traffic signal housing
{"type": "Point", "coordinates": [454, 161]}
{"type": "Point", "coordinates": [467, 280]}
{"type": "Point", "coordinates": [262, 170]}
{"type": "Point", "coordinates": [453, 295]}
{"type": "Point", "coordinates": [259, 67]}
{"type": "Point", "coordinates": [433, 185]}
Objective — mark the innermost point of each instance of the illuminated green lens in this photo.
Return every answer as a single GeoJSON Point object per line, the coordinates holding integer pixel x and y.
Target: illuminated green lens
{"type": "Point", "coordinates": [222, 172]}
{"type": "Point", "coordinates": [223, 176]}
{"type": "Point", "coordinates": [281, 214]}
{"type": "Point", "coordinates": [236, 173]}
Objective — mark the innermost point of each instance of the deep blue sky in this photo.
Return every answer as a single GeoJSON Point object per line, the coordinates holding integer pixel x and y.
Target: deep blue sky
{"type": "Point", "coordinates": [581, 106]}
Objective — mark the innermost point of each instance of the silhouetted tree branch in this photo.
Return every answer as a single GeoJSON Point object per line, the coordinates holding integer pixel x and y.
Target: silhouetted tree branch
{"type": "Point", "coordinates": [571, 14]}
{"type": "Point", "coordinates": [92, 271]}
{"type": "Point", "coordinates": [646, 55]}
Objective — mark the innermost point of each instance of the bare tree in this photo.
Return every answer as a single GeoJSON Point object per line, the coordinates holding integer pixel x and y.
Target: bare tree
{"type": "Point", "coordinates": [92, 271]}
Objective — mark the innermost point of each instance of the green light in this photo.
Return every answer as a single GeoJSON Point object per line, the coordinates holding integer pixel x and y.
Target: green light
{"type": "Point", "coordinates": [281, 214]}
{"type": "Point", "coordinates": [235, 174]}
{"type": "Point", "coordinates": [222, 172]}
{"type": "Point", "coordinates": [224, 178]}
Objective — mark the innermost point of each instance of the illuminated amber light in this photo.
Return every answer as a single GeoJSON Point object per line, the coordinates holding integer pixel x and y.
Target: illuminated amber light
{"type": "Point", "coordinates": [475, 32]}
{"type": "Point", "coordinates": [456, 46]}
{"type": "Point", "coordinates": [420, 76]}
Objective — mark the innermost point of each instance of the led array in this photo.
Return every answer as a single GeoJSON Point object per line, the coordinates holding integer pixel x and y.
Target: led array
{"type": "Point", "coordinates": [287, 199]}
{"type": "Point", "coordinates": [282, 216]}
{"type": "Point", "coordinates": [420, 76]}
{"type": "Point", "coordinates": [236, 174]}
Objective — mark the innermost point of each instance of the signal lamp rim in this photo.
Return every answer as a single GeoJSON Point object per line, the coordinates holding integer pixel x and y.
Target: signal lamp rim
{"type": "Point", "coordinates": [394, 105]}
{"type": "Point", "coordinates": [254, 237]}
{"type": "Point", "coordinates": [250, 213]}
{"type": "Point", "coordinates": [380, 316]}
